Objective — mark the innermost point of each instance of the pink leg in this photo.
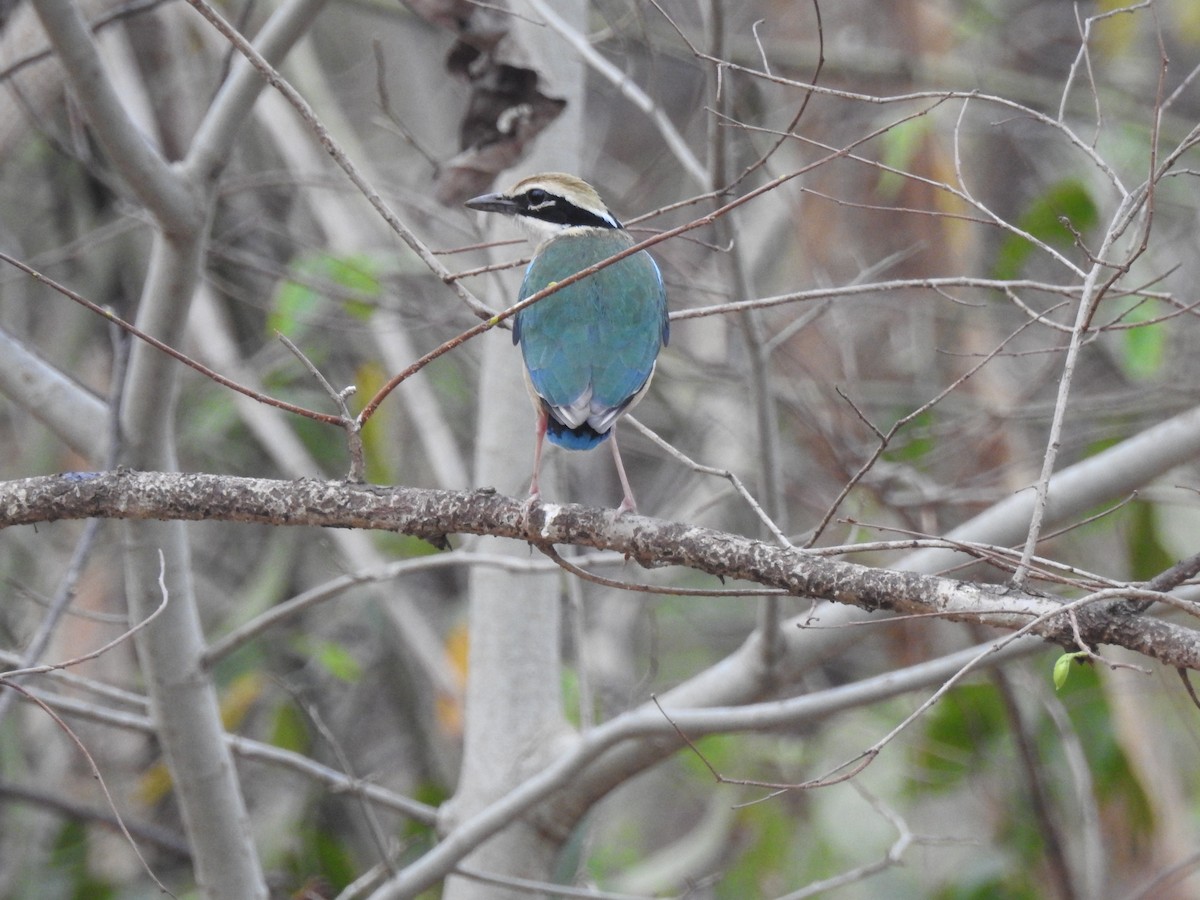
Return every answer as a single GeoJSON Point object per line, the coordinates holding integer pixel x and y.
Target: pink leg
{"type": "Point", "coordinates": [535, 490]}
{"type": "Point", "coordinates": [628, 504]}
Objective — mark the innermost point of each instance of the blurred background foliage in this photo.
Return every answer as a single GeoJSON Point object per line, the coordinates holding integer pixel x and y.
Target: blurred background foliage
{"type": "Point", "coordinates": [992, 785]}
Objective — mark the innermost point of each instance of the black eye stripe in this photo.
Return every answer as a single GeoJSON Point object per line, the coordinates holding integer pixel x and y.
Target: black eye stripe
{"type": "Point", "coordinates": [541, 204]}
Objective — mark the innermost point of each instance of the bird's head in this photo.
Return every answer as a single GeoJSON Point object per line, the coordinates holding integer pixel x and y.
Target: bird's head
{"type": "Point", "coordinates": [549, 204]}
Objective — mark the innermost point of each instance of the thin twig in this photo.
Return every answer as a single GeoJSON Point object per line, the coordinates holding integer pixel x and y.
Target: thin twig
{"type": "Point", "coordinates": [899, 284]}
{"type": "Point", "coordinates": [385, 104]}
{"type": "Point", "coordinates": [348, 422]}
{"type": "Point", "coordinates": [627, 87]}
{"type": "Point", "coordinates": [844, 772]}
{"type": "Point", "coordinates": [293, 97]}
{"type": "Point", "coordinates": [335, 587]}
{"type": "Point", "coordinates": [702, 469]}
{"type": "Point", "coordinates": [95, 770]}
{"type": "Point", "coordinates": [165, 348]}
{"type": "Point", "coordinates": [885, 439]}
{"type": "Point", "coordinates": [97, 24]}
{"type": "Point", "coordinates": [8, 680]}
{"type": "Point", "coordinates": [665, 590]}
{"type": "Point", "coordinates": [894, 856]}
{"type": "Point", "coordinates": [12, 675]}
{"type": "Point", "coordinates": [58, 605]}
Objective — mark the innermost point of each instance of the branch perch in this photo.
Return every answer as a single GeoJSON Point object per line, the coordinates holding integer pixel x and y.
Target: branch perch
{"type": "Point", "coordinates": [653, 543]}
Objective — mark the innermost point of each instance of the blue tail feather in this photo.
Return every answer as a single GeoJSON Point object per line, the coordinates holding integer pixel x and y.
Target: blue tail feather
{"type": "Point", "coordinates": [584, 437]}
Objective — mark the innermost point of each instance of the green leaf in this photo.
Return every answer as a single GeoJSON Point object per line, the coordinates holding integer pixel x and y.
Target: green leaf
{"type": "Point", "coordinates": [720, 750]}
{"type": "Point", "coordinates": [959, 733]}
{"type": "Point", "coordinates": [1145, 346]}
{"type": "Point", "coordinates": [1147, 555]}
{"type": "Point", "coordinates": [901, 144]}
{"type": "Point", "coordinates": [334, 859]}
{"type": "Point", "coordinates": [358, 274]}
{"type": "Point", "coordinates": [298, 300]}
{"type": "Point", "coordinates": [1062, 669]}
{"type": "Point", "coordinates": [1043, 219]}
{"type": "Point", "coordinates": [402, 546]}
{"type": "Point", "coordinates": [289, 729]}
{"type": "Point", "coordinates": [339, 661]}
{"type": "Point", "coordinates": [317, 860]}
{"type": "Point", "coordinates": [333, 657]}
{"type": "Point", "coordinates": [294, 304]}
{"type": "Point", "coordinates": [418, 833]}
{"type": "Point", "coordinates": [768, 857]}
{"type": "Point", "coordinates": [1013, 886]}
{"type": "Point", "coordinates": [68, 862]}
{"type": "Point", "coordinates": [1185, 21]}
{"type": "Point", "coordinates": [571, 695]}
{"type": "Point", "coordinates": [915, 442]}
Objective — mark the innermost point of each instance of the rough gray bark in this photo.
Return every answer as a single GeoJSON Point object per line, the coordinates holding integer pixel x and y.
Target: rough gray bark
{"type": "Point", "coordinates": [650, 542]}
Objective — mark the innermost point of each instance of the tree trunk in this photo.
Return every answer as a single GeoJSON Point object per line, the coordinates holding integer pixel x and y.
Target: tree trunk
{"type": "Point", "coordinates": [514, 716]}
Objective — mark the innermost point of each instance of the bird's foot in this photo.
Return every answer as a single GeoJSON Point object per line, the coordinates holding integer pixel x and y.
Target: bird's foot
{"type": "Point", "coordinates": [533, 500]}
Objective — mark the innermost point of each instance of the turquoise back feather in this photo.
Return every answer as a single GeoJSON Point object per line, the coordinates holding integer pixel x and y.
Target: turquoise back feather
{"type": "Point", "coordinates": [590, 348]}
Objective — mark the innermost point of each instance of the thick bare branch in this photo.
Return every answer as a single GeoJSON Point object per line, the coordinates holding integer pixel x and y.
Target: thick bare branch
{"type": "Point", "coordinates": [652, 543]}
{"type": "Point", "coordinates": [144, 169]}
{"type": "Point", "coordinates": [66, 407]}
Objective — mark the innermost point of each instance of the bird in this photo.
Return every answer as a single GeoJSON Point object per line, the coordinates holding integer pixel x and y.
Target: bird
{"type": "Point", "coordinates": [589, 349]}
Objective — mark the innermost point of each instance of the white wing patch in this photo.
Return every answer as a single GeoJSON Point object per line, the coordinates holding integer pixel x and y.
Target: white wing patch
{"type": "Point", "coordinates": [600, 417]}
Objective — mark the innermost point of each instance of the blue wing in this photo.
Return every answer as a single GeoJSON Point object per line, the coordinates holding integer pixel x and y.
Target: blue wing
{"type": "Point", "coordinates": [590, 348]}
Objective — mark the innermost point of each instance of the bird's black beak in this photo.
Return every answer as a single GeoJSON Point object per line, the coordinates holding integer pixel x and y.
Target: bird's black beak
{"type": "Point", "coordinates": [493, 203]}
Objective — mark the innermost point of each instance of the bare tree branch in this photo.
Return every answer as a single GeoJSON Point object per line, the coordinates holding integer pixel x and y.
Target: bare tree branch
{"type": "Point", "coordinates": [652, 543]}
{"type": "Point", "coordinates": [67, 408]}
{"type": "Point", "coordinates": [144, 169]}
